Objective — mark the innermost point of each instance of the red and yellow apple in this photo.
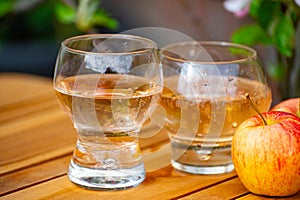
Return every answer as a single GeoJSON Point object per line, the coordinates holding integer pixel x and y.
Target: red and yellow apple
{"type": "Point", "coordinates": [290, 105]}
{"type": "Point", "coordinates": [267, 157]}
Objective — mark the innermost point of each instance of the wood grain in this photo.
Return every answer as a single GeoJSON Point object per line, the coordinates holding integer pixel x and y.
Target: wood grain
{"type": "Point", "coordinates": [36, 144]}
{"type": "Point", "coordinates": [16, 88]}
{"type": "Point", "coordinates": [32, 127]}
{"type": "Point", "coordinates": [37, 140]}
{"type": "Point", "coordinates": [221, 191]}
{"type": "Point", "coordinates": [166, 183]}
{"type": "Point", "coordinates": [258, 197]}
{"type": "Point", "coordinates": [34, 174]}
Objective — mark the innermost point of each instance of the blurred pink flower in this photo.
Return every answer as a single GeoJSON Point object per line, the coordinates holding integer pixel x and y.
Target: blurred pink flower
{"type": "Point", "coordinates": [297, 2]}
{"type": "Point", "coordinates": [240, 8]}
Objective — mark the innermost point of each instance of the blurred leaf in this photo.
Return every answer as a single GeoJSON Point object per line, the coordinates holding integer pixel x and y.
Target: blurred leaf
{"type": "Point", "coordinates": [89, 15]}
{"type": "Point", "coordinates": [33, 24]}
{"type": "Point", "coordinates": [283, 35]}
{"type": "Point", "coordinates": [85, 12]}
{"type": "Point", "coordinates": [5, 7]}
{"type": "Point", "coordinates": [237, 51]}
{"type": "Point", "coordinates": [250, 35]}
{"type": "Point", "coordinates": [278, 25]}
{"type": "Point", "coordinates": [254, 8]}
{"type": "Point", "coordinates": [64, 13]}
{"type": "Point", "coordinates": [265, 11]}
{"type": "Point", "coordinates": [40, 20]}
{"type": "Point", "coordinates": [276, 71]}
{"type": "Point", "coordinates": [102, 18]}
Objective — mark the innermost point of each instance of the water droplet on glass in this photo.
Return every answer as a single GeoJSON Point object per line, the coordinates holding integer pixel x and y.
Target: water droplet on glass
{"type": "Point", "coordinates": [125, 44]}
{"type": "Point", "coordinates": [192, 53]}
{"type": "Point", "coordinates": [121, 120]}
{"type": "Point", "coordinates": [110, 163]}
{"type": "Point", "coordinates": [178, 103]}
{"type": "Point", "coordinates": [230, 78]}
{"type": "Point", "coordinates": [204, 154]}
{"type": "Point", "coordinates": [205, 157]}
{"type": "Point", "coordinates": [234, 124]}
{"type": "Point", "coordinates": [203, 74]}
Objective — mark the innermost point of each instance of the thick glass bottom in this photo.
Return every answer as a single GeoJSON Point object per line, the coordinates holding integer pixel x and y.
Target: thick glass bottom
{"type": "Point", "coordinates": [106, 179]}
{"type": "Point", "coordinates": [221, 169]}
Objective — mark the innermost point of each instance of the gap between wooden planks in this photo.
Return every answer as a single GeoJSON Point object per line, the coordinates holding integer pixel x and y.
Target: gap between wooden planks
{"type": "Point", "coordinates": [165, 183]}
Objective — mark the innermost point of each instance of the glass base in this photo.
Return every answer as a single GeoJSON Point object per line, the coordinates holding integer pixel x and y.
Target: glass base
{"type": "Point", "coordinates": [106, 179]}
{"type": "Point", "coordinates": [220, 169]}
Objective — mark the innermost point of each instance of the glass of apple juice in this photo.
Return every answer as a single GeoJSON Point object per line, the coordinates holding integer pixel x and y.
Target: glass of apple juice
{"type": "Point", "coordinates": [205, 84]}
{"type": "Point", "coordinates": [108, 85]}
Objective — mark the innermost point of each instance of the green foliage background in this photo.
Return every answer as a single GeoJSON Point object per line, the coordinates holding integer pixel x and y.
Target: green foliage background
{"type": "Point", "coordinates": [277, 23]}
{"type": "Point", "coordinates": [44, 19]}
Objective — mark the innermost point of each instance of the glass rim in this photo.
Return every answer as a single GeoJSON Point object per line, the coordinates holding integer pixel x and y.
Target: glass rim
{"type": "Point", "coordinates": [253, 53]}
{"type": "Point", "coordinates": [64, 44]}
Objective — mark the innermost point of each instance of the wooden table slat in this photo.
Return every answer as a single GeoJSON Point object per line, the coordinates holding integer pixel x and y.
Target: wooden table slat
{"type": "Point", "coordinates": [16, 88]}
{"type": "Point", "coordinates": [37, 140]}
{"type": "Point", "coordinates": [164, 187]}
{"type": "Point", "coordinates": [259, 197]}
{"type": "Point", "coordinates": [34, 174]}
{"type": "Point", "coordinates": [33, 121]}
{"type": "Point", "coordinates": [41, 143]}
{"type": "Point", "coordinates": [24, 108]}
{"type": "Point", "coordinates": [221, 191]}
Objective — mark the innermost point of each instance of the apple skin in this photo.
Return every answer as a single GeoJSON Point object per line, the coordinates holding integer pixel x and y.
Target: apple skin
{"type": "Point", "coordinates": [267, 157]}
{"type": "Point", "coordinates": [290, 105]}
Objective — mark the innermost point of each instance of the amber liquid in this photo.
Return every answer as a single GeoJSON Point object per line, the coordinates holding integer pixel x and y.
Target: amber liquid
{"type": "Point", "coordinates": [192, 120]}
{"type": "Point", "coordinates": [107, 111]}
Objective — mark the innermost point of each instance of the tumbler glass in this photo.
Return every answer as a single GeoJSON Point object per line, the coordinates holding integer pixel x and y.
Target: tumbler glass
{"type": "Point", "coordinates": [108, 85]}
{"type": "Point", "coordinates": [205, 84]}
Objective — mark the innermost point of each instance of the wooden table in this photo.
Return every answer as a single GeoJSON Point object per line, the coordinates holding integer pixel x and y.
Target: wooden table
{"type": "Point", "coordinates": [36, 143]}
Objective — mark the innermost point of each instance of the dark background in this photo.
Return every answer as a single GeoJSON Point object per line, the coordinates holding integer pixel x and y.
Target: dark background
{"type": "Point", "coordinates": [33, 49]}
{"type": "Point", "coordinates": [30, 44]}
